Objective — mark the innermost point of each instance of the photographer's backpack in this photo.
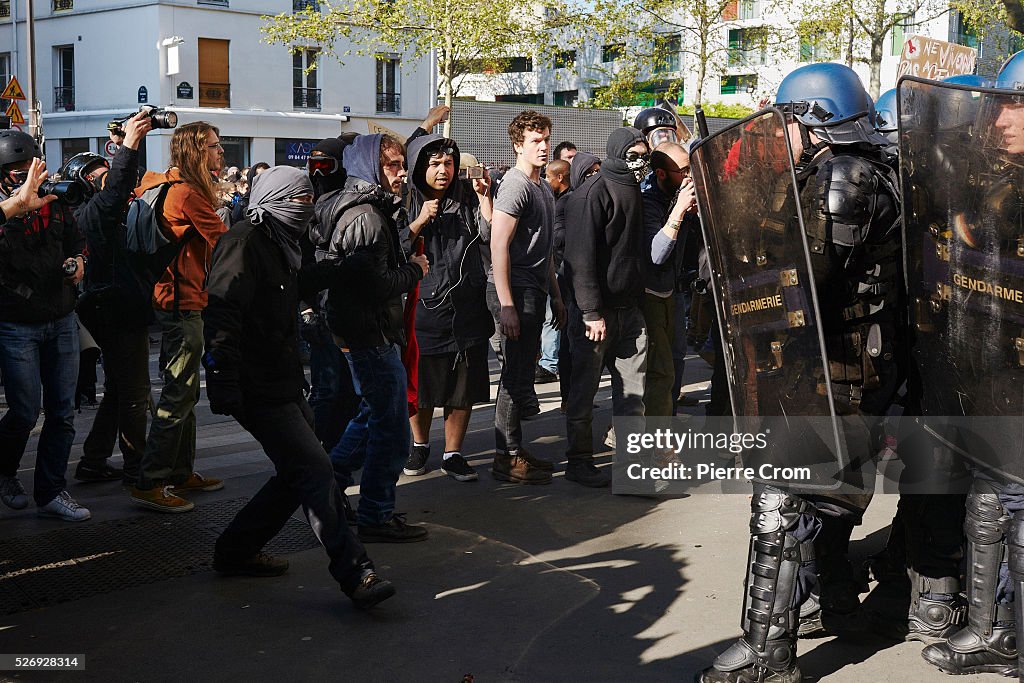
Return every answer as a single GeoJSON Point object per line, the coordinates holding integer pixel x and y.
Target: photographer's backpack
{"type": "Point", "coordinates": [151, 250]}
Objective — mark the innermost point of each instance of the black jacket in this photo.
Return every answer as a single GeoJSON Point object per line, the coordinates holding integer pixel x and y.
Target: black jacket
{"type": "Point", "coordinates": [361, 219]}
{"type": "Point", "coordinates": [452, 312]}
{"type": "Point", "coordinates": [114, 295]}
{"type": "Point", "coordinates": [33, 249]}
{"type": "Point", "coordinates": [250, 323]}
{"type": "Point", "coordinates": [603, 255]}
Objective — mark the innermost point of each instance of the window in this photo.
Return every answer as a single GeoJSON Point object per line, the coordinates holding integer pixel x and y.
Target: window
{"type": "Point", "coordinates": [610, 53]}
{"type": "Point", "coordinates": [566, 59]}
{"type": "Point", "coordinates": [305, 93]}
{"type": "Point", "coordinates": [749, 9]}
{"type": "Point", "coordinates": [303, 5]}
{"type": "Point", "coordinates": [813, 49]}
{"type": "Point", "coordinates": [236, 151]}
{"type": "Point", "coordinates": [962, 32]}
{"type": "Point", "coordinates": [214, 73]}
{"type": "Point", "coordinates": [64, 77]}
{"type": "Point", "coordinates": [566, 98]}
{"type": "Point", "coordinates": [743, 50]}
{"type": "Point", "coordinates": [69, 147]}
{"type": "Point", "coordinates": [532, 98]}
{"type": "Point", "coordinates": [900, 30]}
{"type": "Point", "coordinates": [63, 5]}
{"type": "Point", "coordinates": [519, 65]}
{"type": "Point", "coordinates": [5, 75]}
{"type": "Point", "coordinates": [5, 9]}
{"type": "Point", "coordinates": [668, 49]}
{"type": "Point", "coordinates": [389, 85]}
{"type": "Point", "coordinates": [736, 85]}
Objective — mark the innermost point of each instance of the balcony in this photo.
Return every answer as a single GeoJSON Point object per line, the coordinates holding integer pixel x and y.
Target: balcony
{"type": "Point", "coordinates": [64, 98]}
{"type": "Point", "coordinates": [302, 5]}
{"type": "Point", "coordinates": [306, 98]}
{"type": "Point", "coordinates": [215, 95]}
{"type": "Point", "coordinates": [389, 103]}
{"type": "Point", "coordinates": [5, 9]}
{"type": "Point", "coordinates": [63, 5]}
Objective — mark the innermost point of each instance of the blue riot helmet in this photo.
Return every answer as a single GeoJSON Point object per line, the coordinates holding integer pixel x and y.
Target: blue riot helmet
{"type": "Point", "coordinates": [830, 99]}
{"type": "Point", "coordinates": [885, 112]}
{"type": "Point", "coordinates": [1011, 73]}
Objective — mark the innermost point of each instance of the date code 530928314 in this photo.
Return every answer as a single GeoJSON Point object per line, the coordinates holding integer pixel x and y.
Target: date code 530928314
{"type": "Point", "coordinates": [42, 662]}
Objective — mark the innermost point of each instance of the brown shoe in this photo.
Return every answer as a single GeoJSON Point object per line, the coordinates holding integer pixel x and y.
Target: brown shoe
{"type": "Point", "coordinates": [160, 498]}
{"type": "Point", "coordinates": [518, 470]}
{"type": "Point", "coordinates": [543, 465]}
{"type": "Point", "coordinates": [197, 482]}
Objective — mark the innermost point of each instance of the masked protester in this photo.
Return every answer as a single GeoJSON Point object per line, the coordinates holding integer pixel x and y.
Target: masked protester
{"type": "Point", "coordinates": [603, 256]}
{"type": "Point", "coordinates": [254, 374]}
{"type": "Point", "coordinates": [115, 308]}
{"type": "Point", "coordinates": [41, 263]}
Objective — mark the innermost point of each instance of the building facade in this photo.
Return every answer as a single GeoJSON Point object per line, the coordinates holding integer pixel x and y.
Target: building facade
{"type": "Point", "coordinates": [100, 59]}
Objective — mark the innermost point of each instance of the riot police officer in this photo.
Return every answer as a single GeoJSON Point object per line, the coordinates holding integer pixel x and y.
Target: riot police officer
{"type": "Point", "coordinates": [849, 199]}
{"type": "Point", "coordinates": [659, 125]}
{"type": "Point", "coordinates": [963, 261]}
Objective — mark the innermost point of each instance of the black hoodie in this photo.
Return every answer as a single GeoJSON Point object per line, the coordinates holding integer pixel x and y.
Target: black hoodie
{"type": "Point", "coordinates": [452, 313]}
{"type": "Point", "coordinates": [604, 256]}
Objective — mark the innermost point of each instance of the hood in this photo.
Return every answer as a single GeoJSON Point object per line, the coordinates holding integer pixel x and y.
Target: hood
{"type": "Point", "coordinates": [151, 179]}
{"type": "Point", "coordinates": [362, 158]}
{"type": "Point", "coordinates": [416, 160]}
{"type": "Point", "coordinates": [578, 166]}
{"type": "Point", "coordinates": [357, 191]}
{"type": "Point", "coordinates": [615, 167]}
{"type": "Point", "coordinates": [332, 147]}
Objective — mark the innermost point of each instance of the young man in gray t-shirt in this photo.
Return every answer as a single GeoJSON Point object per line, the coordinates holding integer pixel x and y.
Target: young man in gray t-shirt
{"type": "Point", "coordinates": [520, 277]}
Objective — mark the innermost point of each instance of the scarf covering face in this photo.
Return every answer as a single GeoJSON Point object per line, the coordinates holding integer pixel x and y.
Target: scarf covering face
{"type": "Point", "coordinates": [270, 207]}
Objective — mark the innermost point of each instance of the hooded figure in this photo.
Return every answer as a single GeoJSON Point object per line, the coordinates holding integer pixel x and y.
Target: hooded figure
{"type": "Point", "coordinates": [452, 314]}
{"type": "Point", "coordinates": [579, 167]}
{"type": "Point", "coordinates": [272, 207]}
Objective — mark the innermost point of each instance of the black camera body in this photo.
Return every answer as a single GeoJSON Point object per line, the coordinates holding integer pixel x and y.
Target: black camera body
{"type": "Point", "coordinates": [161, 119]}
{"type": "Point", "coordinates": [68, 190]}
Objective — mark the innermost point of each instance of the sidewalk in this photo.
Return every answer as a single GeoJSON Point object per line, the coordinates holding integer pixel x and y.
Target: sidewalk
{"type": "Point", "coordinates": [549, 583]}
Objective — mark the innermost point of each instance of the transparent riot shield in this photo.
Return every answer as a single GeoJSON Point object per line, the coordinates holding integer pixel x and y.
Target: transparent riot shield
{"type": "Point", "coordinates": [765, 296]}
{"type": "Point", "coordinates": [962, 173]}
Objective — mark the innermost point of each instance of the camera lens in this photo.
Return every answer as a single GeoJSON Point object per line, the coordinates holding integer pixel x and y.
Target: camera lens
{"type": "Point", "coordinates": [165, 119]}
{"type": "Point", "coordinates": [67, 190]}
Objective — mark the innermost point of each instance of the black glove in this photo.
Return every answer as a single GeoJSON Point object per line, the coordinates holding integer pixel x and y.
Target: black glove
{"type": "Point", "coordinates": [312, 328]}
{"type": "Point", "coordinates": [223, 390]}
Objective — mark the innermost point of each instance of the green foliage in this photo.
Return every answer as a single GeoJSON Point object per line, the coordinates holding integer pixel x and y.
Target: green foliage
{"type": "Point", "coordinates": [719, 110]}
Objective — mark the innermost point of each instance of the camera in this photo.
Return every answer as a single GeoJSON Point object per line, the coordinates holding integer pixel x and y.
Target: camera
{"type": "Point", "coordinates": [475, 172]}
{"type": "Point", "coordinates": [161, 119]}
{"type": "Point", "coordinates": [68, 190]}
{"type": "Point", "coordinates": [69, 267]}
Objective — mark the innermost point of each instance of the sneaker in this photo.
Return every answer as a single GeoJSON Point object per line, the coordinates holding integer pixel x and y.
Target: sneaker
{"type": "Point", "coordinates": [370, 590]}
{"type": "Point", "coordinates": [518, 469]}
{"type": "Point", "coordinates": [544, 376]}
{"type": "Point", "coordinates": [587, 474]}
{"type": "Point", "coordinates": [416, 463]}
{"type": "Point", "coordinates": [395, 530]}
{"type": "Point", "coordinates": [544, 465]}
{"type": "Point", "coordinates": [160, 498]}
{"type": "Point", "coordinates": [65, 507]}
{"type": "Point", "coordinates": [456, 467]}
{"type": "Point", "coordinates": [101, 472]}
{"type": "Point", "coordinates": [13, 494]}
{"type": "Point", "coordinates": [260, 564]}
{"type": "Point", "coordinates": [197, 482]}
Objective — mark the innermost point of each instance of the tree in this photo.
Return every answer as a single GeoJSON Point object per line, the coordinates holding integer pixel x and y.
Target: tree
{"type": "Point", "coordinates": [865, 26]}
{"type": "Point", "coordinates": [465, 35]}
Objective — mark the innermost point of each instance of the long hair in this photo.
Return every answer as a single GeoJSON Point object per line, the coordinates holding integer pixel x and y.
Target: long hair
{"type": "Point", "coordinates": [188, 154]}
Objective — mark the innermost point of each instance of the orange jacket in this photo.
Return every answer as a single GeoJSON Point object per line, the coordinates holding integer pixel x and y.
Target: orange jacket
{"type": "Point", "coordinates": [184, 208]}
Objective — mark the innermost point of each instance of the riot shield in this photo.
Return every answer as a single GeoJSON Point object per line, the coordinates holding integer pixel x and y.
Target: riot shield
{"type": "Point", "coordinates": [962, 173]}
{"type": "Point", "coordinates": [764, 295]}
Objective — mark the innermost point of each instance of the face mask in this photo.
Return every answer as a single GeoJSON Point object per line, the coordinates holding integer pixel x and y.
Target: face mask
{"type": "Point", "coordinates": [639, 164]}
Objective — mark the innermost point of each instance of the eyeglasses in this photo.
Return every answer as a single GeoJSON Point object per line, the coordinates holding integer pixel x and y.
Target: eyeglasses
{"type": "Point", "coordinates": [322, 165]}
{"type": "Point", "coordinates": [215, 145]}
{"type": "Point", "coordinates": [685, 171]}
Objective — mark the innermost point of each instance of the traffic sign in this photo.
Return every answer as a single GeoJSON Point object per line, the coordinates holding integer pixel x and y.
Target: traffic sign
{"type": "Point", "coordinates": [15, 113]}
{"type": "Point", "coordinates": [13, 91]}
{"type": "Point", "coordinates": [110, 148]}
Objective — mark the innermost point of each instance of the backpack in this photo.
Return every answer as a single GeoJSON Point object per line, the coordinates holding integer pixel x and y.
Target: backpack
{"type": "Point", "coordinates": [149, 249]}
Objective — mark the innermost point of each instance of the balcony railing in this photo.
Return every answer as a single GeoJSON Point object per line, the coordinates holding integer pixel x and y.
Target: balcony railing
{"type": "Point", "coordinates": [389, 103]}
{"type": "Point", "coordinates": [64, 98]}
{"type": "Point", "coordinates": [215, 95]}
{"type": "Point", "coordinates": [63, 5]}
{"type": "Point", "coordinates": [218, 3]}
{"type": "Point", "coordinates": [5, 9]}
{"type": "Point", "coordinates": [300, 5]}
{"type": "Point", "coordinates": [306, 98]}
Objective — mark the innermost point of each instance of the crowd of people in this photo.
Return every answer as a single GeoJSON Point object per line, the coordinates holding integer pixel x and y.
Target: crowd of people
{"type": "Point", "coordinates": [397, 263]}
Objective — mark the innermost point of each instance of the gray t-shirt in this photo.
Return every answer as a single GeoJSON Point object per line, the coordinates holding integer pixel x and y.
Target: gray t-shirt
{"type": "Point", "coordinates": [530, 250]}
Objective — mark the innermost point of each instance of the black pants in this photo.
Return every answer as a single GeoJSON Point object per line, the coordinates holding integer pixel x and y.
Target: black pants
{"type": "Point", "coordinates": [304, 477]}
{"type": "Point", "coordinates": [122, 413]}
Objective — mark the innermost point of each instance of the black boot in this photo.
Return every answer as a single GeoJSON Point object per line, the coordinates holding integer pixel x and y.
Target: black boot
{"type": "Point", "coordinates": [767, 650]}
{"type": "Point", "coordinates": [968, 652]}
{"type": "Point", "coordinates": [936, 609]}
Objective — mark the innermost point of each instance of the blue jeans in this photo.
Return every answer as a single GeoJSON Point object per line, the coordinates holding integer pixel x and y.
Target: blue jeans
{"type": "Point", "coordinates": [550, 339]}
{"type": "Point", "coordinates": [34, 355]}
{"type": "Point", "coordinates": [331, 396]}
{"type": "Point", "coordinates": [378, 437]}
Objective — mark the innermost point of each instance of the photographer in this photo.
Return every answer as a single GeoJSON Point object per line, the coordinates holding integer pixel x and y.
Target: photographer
{"type": "Point", "coordinates": [115, 306]}
{"type": "Point", "coordinates": [41, 263]}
